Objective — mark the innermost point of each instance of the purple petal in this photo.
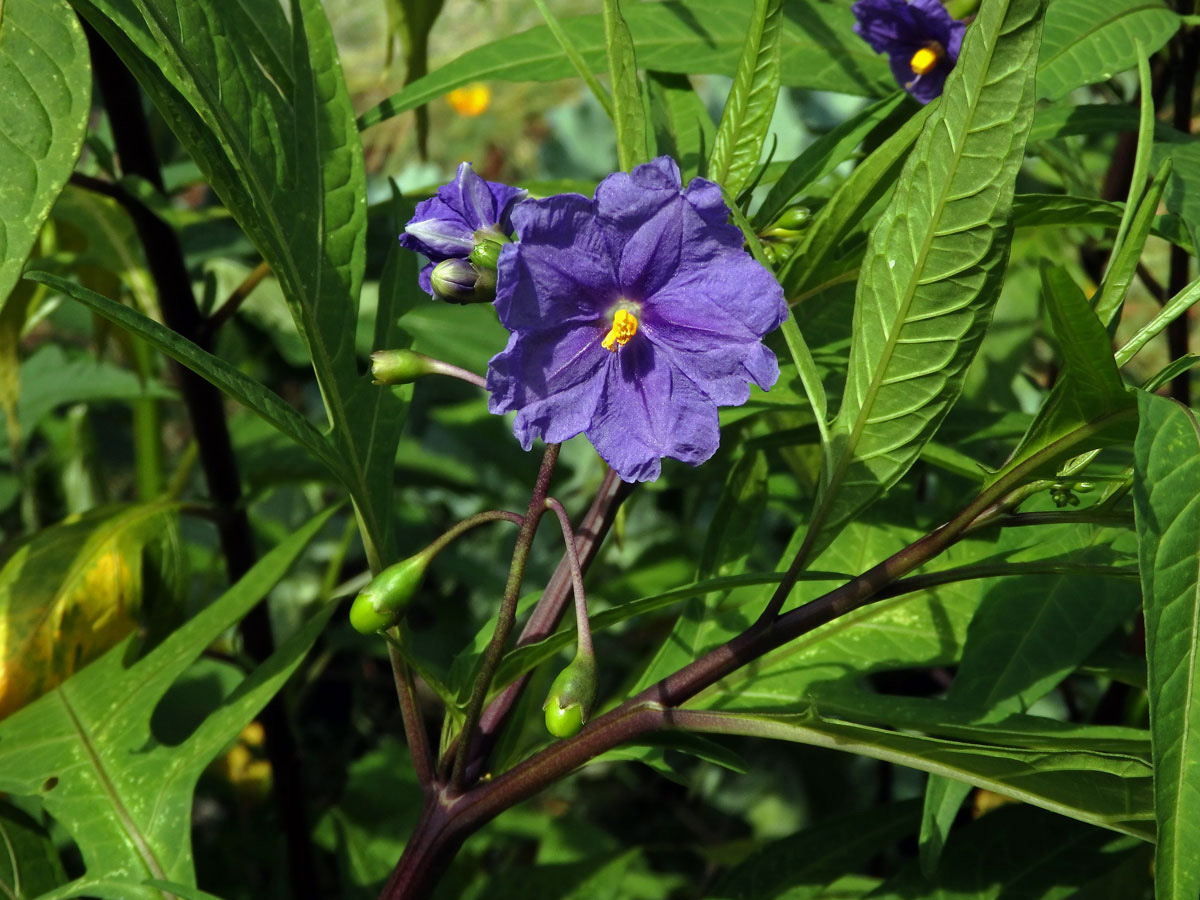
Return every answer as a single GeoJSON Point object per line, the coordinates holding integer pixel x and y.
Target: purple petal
{"type": "Point", "coordinates": [734, 298]}
{"type": "Point", "coordinates": [543, 284]}
{"type": "Point", "coordinates": [552, 378]}
{"type": "Point", "coordinates": [443, 227]}
{"type": "Point", "coordinates": [440, 237]}
{"type": "Point", "coordinates": [642, 210]}
{"type": "Point", "coordinates": [649, 409]}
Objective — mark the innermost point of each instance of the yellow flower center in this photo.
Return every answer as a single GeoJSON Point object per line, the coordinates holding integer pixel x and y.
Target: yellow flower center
{"type": "Point", "coordinates": [924, 60]}
{"type": "Point", "coordinates": [624, 326]}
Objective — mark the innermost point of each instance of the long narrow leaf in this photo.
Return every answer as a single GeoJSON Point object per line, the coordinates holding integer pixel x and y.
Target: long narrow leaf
{"type": "Point", "coordinates": [245, 390]}
{"type": "Point", "coordinates": [629, 114]}
{"type": "Point", "coordinates": [1167, 507]}
{"type": "Point", "coordinates": [1111, 296]}
{"type": "Point", "coordinates": [751, 101]}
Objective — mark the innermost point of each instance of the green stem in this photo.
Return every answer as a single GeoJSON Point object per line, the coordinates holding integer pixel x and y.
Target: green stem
{"type": "Point", "coordinates": [581, 614]}
{"type": "Point", "coordinates": [505, 618]}
{"type": "Point", "coordinates": [456, 531]}
{"type": "Point", "coordinates": [410, 713]}
{"type": "Point", "coordinates": [576, 58]}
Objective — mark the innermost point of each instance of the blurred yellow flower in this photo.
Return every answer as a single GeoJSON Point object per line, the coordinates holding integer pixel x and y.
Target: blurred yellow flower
{"type": "Point", "coordinates": [470, 100]}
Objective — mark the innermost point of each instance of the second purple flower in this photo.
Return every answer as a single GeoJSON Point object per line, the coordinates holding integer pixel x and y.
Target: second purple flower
{"type": "Point", "coordinates": [634, 315]}
{"type": "Point", "coordinates": [920, 38]}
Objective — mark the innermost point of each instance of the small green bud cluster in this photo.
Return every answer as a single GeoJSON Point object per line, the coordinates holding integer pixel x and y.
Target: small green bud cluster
{"type": "Point", "coordinates": [1063, 493]}
{"type": "Point", "coordinates": [781, 236]}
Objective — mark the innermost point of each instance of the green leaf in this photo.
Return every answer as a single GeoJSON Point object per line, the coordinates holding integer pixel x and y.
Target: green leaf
{"type": "Point", "coordinates": [691, 129]}
{"type": "Point", "coordinates": [799, 866]}
{"type": "Point", "coordinates": [1058, 210]}
{"type": "Point", "coordinates": [1171, 310]}
{"type": "Point", "coordinates": [751, 101]}
{"type": "Point", "coordinates": [1084, 44]}
{"type": "Point", "coordinates": [819, 51]}
{"type": "Point", "coordinates": [941, 719]}
{"type": "Point", "coordinates": [828, 151]}
{"type": "Point", "coordinates": [51, 378]}
{"type": "Point", "coordinates": [46, 83]}
{"type": "Point", "coordinates": [1028, 635]}
{"type": "Point", "coordinates": [733, 534]}
{"type": "Point", "coordinates": [245, 390]}
{"type": "Point", "coordinates": [73, 591]}
{"type": "Point", "coordinates": [814, 264]}
{"type": "Point", "coordinates": [1182, 196]}
{"type": "Point", "coordinates": [1167, 506]}
{"type": "Point", "coordinates": [1126, 256]}
{"type": "Point", "coordinates": [934, 265]}
{"type": "Point", "coordinates": [629, 114]}
{"type": "Point", "coordinates": [87, 751]}
{"type": "Point", "coordinates": [1018, 852]}
{"type": "Point", "coordinates": [1089, 394]}
{"type": "Point", "coordinates": [274, 133]}
{"type": "Point", "coordinates": [29, 864]}
{"type": "Point", "coordinates": [1109, 790]}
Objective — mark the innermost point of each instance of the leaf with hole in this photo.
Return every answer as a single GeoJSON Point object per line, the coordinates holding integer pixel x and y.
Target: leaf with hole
{"type": "Point", "coordinates": [87, 750]}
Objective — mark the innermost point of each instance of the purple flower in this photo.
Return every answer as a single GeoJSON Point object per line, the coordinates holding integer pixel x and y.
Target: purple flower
{"type": "Point", "coordinates": [920, 38]}
{"type": "Point", "coordinates": [633, 317]}
{"type": "Point", "coordinates": [444, 226]}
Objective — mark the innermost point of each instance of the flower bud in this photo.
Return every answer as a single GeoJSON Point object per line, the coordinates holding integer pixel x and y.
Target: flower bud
{"type": "Point", "coordinates": [796, 217]}
{"type": "Point", "coordinates": [400, 366]}
{"type": "Point", "coordinates": [488, 244]}
{"type": "Point", "coordinates": [457, 281]}
{"type": "Point", "coordinates": [572, 693]}
{"type": "Point", "coordinates": [381, 604]}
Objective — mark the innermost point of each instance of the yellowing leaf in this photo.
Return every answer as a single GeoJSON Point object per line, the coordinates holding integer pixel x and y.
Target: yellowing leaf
{"type": "Point", "coordinates": [70, 593]}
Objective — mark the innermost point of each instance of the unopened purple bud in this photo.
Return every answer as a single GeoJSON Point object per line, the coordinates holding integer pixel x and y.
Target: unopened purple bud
{"type": "Point", "coordinates": [457, 281]}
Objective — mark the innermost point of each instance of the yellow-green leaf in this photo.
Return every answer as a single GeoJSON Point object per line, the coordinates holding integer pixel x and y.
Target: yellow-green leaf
{"type": "Point", "coordinates": [72, 592]}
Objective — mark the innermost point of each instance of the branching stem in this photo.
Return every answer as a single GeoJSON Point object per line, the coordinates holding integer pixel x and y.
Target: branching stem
{"type": "Point", "coordinates": [505, 618]}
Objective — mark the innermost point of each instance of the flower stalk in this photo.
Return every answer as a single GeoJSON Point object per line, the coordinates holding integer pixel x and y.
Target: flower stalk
{"type": "Point", "coordinates": [505, 617]}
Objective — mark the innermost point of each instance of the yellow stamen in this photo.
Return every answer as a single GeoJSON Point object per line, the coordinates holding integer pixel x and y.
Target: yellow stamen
{"type": "Point", "coordinates": [924, 60]}
{"type": "Point", "coordinates": [624, 326]}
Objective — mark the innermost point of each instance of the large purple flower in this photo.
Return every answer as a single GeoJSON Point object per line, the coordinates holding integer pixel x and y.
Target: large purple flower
{"type": "Point", "coordinates": [633, 315]}
{"type": "Point", "coordinates": [920, 38]}
{"type": "Point", "coordinates": [444, 226]}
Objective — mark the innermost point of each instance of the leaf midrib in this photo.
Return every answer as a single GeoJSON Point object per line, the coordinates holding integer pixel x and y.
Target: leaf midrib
{"type": "Point", "coordinates": [1096, 28]}
{"type": "Point", "coordinates": [847, 457]}
{"type": "Point", "coordinates": [130, 826]}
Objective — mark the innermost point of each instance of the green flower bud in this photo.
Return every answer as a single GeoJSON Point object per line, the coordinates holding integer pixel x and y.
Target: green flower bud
{"type": "Point", "coordinates": [571, 696]}
{"type": "Point", "coordinates": [457, 281]}
{"type": "Point", "coordinates": [488, 244]}
{"type": "Point", "coordinates": [792, 219]}
{"type": "Point", "coordinates": [381, 604]}
{"type": "Point", "coordinates": [400, 366]}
